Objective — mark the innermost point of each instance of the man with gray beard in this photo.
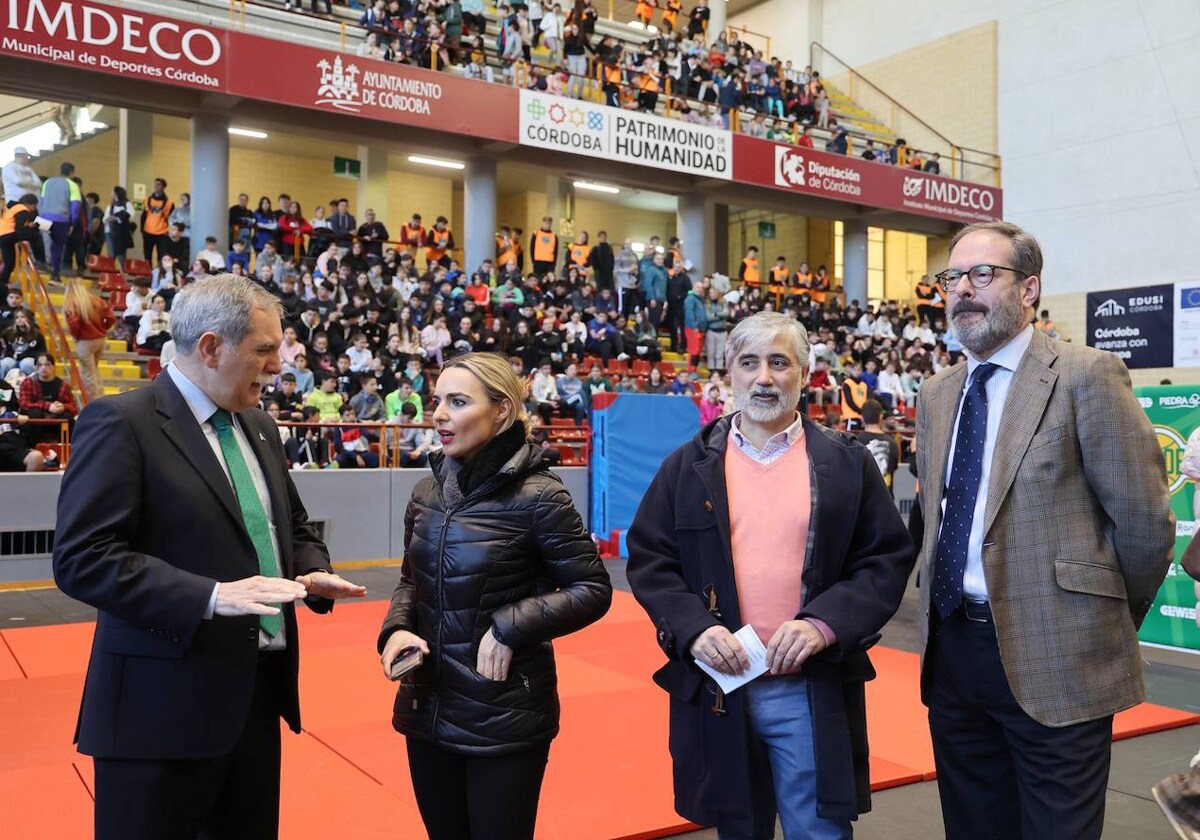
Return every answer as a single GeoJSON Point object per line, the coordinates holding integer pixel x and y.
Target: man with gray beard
{"type": "Point", "coordinates": [1047, 533]}
{"type": "Point", "coordinates": [769, 522]}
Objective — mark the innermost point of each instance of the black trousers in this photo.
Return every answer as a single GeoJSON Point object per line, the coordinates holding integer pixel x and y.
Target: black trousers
{"type": "Point", "coordinates": [1001, 774]}
{"type": "Point", "coordinates": [232, 797]}
{"type": "Point", "coordinates": [465, 797]}
{"type": "Point", "coordinates": [673, 321]}
{"type": "Point", "coordinates": [150, 243]}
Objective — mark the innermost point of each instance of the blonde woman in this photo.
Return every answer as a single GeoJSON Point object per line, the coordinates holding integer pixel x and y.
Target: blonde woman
{"type": "Point", "coordinates": [89, 318]}
{"type": "Point", "coordinates": [497, 562]}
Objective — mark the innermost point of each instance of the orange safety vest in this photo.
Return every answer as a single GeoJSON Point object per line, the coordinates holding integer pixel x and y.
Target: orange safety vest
{"type": "Point", "coordinates": [647, 81]}
{"type": "Point", "coordinates": [803, 281]}
{"type": "Point", "coordinates": [441, 240]}
{"type": "Point", "coordinates": [924, 293]}
{"type": "Point", "coordinates": [779, 275]}
{"type": "Point", "coordinates": [676, 262]}
{"type": "Point", "coordinates": [8, 220]}
{"type": "Point", "coordinates": [645, 10]}
{"type": "Point", "coordinates": [545, 246]}
{"type": "Point", "coordinates": [750, 275]}
{"type": "Point", "coordinates": [820, 285]}
{"type": "Point", "coordinates": [579, 254]}
{"type": "Point", "coordinates": [612, 74]}
{"type": "Point", "coordinates": [671, 13]}
{"type": "Point", "coordinates": [859, 391]}
{"type": "Point", "coordinates": [157, 213]}
{"type": "Point", "coordinates": [505, 251]}
{"type": "Point", "coordinates": [412, 237]}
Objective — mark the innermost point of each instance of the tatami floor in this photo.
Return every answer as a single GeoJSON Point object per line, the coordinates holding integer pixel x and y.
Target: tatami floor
{"type": "Point", "coordinates": [910, 811]}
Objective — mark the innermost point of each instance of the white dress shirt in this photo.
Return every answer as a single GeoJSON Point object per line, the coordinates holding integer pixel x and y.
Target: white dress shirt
{"type": "Point", "coordinates": [202, 408]}
{"type": "Point", "coordinates": [1006, 359]}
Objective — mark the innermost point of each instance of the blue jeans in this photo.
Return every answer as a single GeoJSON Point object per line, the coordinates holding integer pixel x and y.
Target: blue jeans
{"type": "Point", "coordinates": [781, 721]}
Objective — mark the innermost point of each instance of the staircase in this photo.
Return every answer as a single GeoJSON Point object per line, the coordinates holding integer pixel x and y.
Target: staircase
{"type": "Point", "coordinates": [120, 369]}
{"type": "Point", "coordinates": [856, 118]}
{"type": "Point", "coordinates": [30, 123]}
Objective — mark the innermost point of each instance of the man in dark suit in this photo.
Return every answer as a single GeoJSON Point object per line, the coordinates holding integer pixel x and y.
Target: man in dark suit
{"type": "Point", "coordinates": [766, 519]}
{"type": "Point", "coordinates": [178, 521]}
{"type": "Point", "coordinates": [1048, 531]}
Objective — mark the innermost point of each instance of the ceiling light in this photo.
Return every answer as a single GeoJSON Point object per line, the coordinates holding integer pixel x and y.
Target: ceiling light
{"type": "Point", "coordinates": [588, 185]}
{"type": "Point", "coordinates": [444, 164]}
{"type": "Point", "coordinates": [248, 132]}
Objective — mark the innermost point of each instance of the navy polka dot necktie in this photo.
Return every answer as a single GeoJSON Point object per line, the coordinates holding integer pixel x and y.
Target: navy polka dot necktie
{"type": "Point", "coordinates": [962, 494]}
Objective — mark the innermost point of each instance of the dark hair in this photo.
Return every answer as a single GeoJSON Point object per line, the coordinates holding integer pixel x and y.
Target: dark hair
{"type": "Point", "coordinates": [365, 378]}
{"type": "Point", "coordinates": [1026, 253]}
{"type": "Point", "coordinates": [93, 196]}
{"type": "Point", "coordinates": [288, 377]}
{"type": "Point", "coordinates": [872, 412]}
{"type": "Point", "coordinates": [66, 169]}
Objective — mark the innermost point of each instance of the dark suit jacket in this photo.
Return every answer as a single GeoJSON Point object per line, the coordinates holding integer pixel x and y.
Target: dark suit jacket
{"type": "Point", "coordinates": [147, 523]}
{"type": "Point", "coordinates": [856, 566]}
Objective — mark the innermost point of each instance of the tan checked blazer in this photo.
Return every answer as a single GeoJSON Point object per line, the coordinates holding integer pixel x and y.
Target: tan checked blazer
{"type": "Point", "coordinates": [1078, 530]}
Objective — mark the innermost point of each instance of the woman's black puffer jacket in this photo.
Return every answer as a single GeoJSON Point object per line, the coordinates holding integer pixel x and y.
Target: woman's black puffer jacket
{"type": "Point", "coordinates": [514, 555]}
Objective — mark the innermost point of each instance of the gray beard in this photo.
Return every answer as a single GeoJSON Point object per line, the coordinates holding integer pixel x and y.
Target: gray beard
{"type": "Point", "coordinates": [994, 330]}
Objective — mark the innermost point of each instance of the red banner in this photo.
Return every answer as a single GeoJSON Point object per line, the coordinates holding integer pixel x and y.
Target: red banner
{"type": "Point", "coordinates": [108, 39]}
{"type": "Point", "coordinates": [860, 181]}
{"type": "Point", "coordinates": [341, 83]}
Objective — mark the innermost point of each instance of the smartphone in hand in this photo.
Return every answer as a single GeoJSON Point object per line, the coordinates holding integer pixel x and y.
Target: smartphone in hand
{"type": "Point", "coordinates": [408, 660]}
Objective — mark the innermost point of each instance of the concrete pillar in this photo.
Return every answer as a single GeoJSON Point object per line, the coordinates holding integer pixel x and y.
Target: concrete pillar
{"type": "Point", "coordinates": [135, 153]}
{"type": "Point", "coordinates": [720, 238]}
{"type": "Point", "coordinates": [373, 189]}
{"type": "Point", "coordinates": [560, 202]}
{"type": "Point", "coordinates": [210, 180]}
{"type": "Point", "coordinates": [479, 211]}
{"type": "Point", "coordinates": [716, 20]}
{"type": "Point", "coordinates": [854, 260]}
{"type": "Point", "coordinates": [694, 223]}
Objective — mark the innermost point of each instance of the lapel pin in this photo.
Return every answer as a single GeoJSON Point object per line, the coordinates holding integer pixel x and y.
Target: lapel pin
{"type": "Point", "coordinates": [260, 437]}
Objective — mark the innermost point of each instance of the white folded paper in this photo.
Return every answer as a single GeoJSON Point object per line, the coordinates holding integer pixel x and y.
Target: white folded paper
{"type": "Point", "coordinates": [758, 662]}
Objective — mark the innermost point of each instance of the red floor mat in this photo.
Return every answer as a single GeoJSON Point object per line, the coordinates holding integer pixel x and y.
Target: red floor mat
{"type": "Point", "coordinates": [609, 774]}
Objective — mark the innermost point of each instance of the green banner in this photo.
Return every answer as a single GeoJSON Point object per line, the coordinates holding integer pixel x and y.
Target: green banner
{"type": "Point", "coordinates": [1175, 413]}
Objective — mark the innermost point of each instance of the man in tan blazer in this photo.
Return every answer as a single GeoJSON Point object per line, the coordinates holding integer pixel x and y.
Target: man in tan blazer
{"type": "Point", "coordinates": [1047, 533]}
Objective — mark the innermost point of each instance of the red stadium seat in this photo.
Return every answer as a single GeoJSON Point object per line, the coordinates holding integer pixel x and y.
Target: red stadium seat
{"type": "Point", "coordinates": [153, 367]}
{"type": "Point", "coordinates": [138, 268]}
{"type": "Point", "coordinates": [98, 263]}
{"type": "Point", "coordinates": [112, 282]}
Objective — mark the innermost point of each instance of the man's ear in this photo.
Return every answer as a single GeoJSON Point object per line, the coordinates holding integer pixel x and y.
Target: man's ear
{"type": "Point", "coordinates": [208, 349]}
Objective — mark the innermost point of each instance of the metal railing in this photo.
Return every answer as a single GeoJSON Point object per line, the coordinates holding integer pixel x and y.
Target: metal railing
{"type": "Point", "coordinates": [965, 163]}
{"type": "Point", "coordinates": [46, 314]}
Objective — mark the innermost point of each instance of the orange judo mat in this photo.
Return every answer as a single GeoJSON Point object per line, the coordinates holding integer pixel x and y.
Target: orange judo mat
{"type": "Point", "coordinates": [609, 774]}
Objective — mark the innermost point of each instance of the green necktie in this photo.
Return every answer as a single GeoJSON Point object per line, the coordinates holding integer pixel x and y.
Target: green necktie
{"type": "Point", "coordinates": [253, 515]}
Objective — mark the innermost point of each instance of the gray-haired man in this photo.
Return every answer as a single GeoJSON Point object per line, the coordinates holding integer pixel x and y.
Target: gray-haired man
{"type": "Point", "coordinates": [179, 522]}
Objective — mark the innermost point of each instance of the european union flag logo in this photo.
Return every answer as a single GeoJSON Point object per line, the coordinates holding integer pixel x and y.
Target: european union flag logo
{"type": "Point", "coordinates": [1189, 297]}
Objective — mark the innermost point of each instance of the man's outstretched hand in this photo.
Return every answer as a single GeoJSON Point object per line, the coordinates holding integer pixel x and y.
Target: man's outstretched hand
{"type": "Point", "coordinates": [330, 585]}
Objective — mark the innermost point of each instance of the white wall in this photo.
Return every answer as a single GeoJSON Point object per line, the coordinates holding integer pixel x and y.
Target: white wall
{"type": "Point", "coordinates": [1099, 109]}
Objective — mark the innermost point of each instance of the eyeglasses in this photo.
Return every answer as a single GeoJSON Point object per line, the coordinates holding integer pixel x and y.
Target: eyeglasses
{"type": "Point", "coordinates": [980, 276]}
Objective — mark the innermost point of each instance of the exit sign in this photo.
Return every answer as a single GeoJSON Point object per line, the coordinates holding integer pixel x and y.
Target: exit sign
{"type": "Point", "coordinates": [766, 230]}
{"type": "Point", "coordinates": [347, 168]}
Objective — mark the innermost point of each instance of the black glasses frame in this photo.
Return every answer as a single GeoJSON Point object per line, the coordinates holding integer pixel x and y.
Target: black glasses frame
{"type": "Point", "coordinates": [948, 279]}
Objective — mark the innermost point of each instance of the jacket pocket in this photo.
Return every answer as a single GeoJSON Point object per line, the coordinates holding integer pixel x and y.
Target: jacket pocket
{"type": "Point", "coordinates": [133, 641]}
{"type": "Point", "coordinates": [1089, 578]}
{"type": "Point", "coordinates": [679, 681]}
